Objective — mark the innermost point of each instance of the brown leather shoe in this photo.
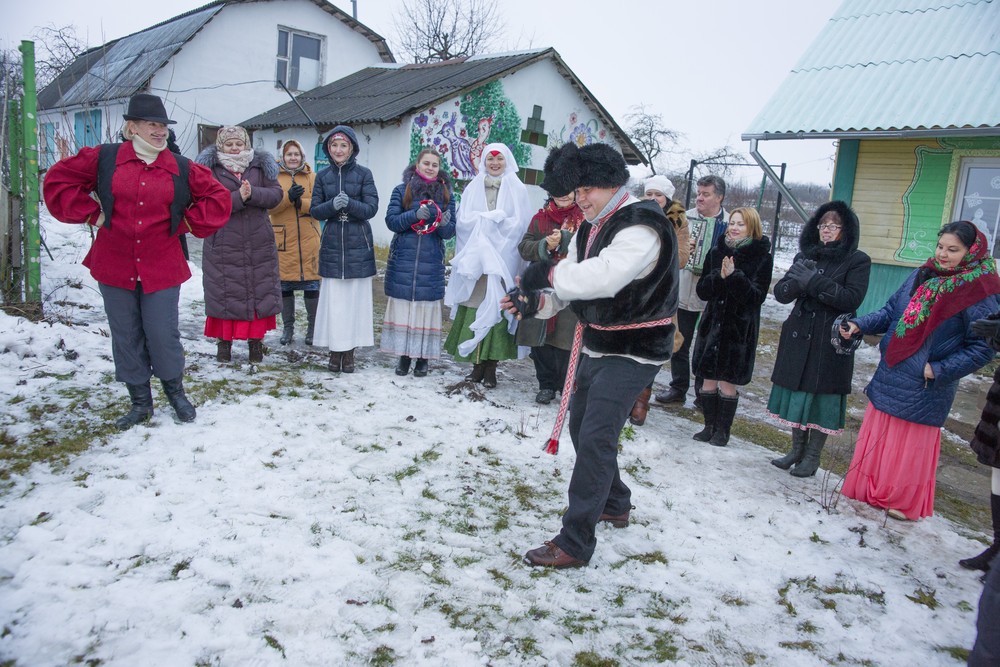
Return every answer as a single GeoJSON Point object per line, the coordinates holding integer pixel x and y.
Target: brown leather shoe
{"type": "Point", "coordinates": [476, 374]}
{"type": "Point", "coordinates": [334, 364]}
{"type": "Point", "coordinates": [550, 555]}
{"type": "Point", "coordinates": [641, 407]}
{"type": "Point", "coordinates": [616, 520]}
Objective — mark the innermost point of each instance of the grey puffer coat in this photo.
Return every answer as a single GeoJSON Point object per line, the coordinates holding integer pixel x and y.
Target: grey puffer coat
{"type": "Point", "coordinates": [240, 261]}
{"type": "Point", "coordinates": [806, 360]}
{"type": "Point", "coordinates": [347, 249]}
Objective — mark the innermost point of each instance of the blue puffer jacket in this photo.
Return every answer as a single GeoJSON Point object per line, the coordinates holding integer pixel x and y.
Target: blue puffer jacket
{"type": "Point", "coordinates": [416, 261]}
{"type": "Point", "coordinates": [951, 349]}
{"type": "Point", "coordinates": [347, 249]}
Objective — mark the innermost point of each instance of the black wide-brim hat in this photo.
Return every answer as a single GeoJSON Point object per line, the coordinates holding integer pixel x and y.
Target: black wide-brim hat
{"type": "Point", "coordinates": [147, 107]}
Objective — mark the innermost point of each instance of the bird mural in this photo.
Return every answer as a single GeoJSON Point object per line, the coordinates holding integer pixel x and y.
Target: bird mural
{"type": "Point", "coordinates": [461, 150]}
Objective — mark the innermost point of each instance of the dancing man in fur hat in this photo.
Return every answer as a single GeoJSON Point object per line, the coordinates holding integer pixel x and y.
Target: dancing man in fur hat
{"type": "Point", "coordinates": [620, 279]}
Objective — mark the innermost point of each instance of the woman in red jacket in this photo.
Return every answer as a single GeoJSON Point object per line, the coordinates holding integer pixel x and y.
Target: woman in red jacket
{"type": "Point", "coordinates": [143, 205]}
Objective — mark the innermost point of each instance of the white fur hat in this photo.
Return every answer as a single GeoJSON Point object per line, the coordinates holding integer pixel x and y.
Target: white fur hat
{"type": "Point", "coordinates": [659, 182]}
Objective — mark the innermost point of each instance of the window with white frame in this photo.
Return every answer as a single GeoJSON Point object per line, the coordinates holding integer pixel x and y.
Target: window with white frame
{"type": "Point", "coordinates": [300, 59]}
{"type": "Point", "coordinates": [978, 197]}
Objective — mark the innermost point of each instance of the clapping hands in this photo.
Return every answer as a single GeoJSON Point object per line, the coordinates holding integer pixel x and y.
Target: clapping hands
{"type": "Point", "coordinates": [340, 201]}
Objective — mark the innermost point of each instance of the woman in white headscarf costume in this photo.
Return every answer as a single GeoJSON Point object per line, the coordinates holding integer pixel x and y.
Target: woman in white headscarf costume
{"type": "Point", "coordinates": [492, 217]}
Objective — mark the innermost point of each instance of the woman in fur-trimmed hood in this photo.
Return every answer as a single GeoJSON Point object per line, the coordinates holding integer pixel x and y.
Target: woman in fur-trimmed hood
{"type": "Point", "coordinates": [240, 261]}
{"type": "Point", "coordinates": [811, 380]}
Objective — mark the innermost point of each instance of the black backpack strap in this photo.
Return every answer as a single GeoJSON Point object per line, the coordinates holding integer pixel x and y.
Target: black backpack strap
{"type": "Point", "coordinates": [106, 160]}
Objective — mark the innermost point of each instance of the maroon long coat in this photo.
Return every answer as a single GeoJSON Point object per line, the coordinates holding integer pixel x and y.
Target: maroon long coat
{"type": "Point", "coordinates": [240, 261]}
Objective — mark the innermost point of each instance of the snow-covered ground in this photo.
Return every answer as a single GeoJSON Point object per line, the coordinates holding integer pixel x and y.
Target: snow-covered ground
{"type": "Point", "coordinates": [307, 519]}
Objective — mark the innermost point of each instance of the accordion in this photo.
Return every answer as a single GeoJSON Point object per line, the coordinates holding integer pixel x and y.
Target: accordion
{"type": "Point", "coordinates": [702, 233]}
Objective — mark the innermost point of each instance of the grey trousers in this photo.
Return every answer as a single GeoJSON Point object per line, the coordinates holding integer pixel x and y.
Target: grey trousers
{"type": "Point", "coordinates": [145, 339]}
{"type": "Point", "coordinates": [606, 388]}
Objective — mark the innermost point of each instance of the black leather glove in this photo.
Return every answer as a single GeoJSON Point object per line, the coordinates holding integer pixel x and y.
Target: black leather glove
{"type": "Point", "coordinates": [802, 272]}
{"type": "Point", "coordinates": [985, 328]}
{"type": "Point", "coordinates": [424, 212]}
{"type": "Point", "coordinates": [525, 301]}
{"type": "Point", "coordinates": [536, 276]}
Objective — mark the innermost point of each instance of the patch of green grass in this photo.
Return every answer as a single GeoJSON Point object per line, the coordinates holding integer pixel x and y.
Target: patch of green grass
{"type": "Point", "coordinates": [387, 627]}
{"type": "Point", "coordinates": [627, 434]}
{"type": "Point", "coordinates": [275, 644]}
{"type": "Point", "coordinates": [807, 627]}
{"type": "Point", "coordinates": [592, 659]}
{"type": "Point", "coordinates": [957, 653]}
{"type": "Point", "coordinates": [644, 559]}
{"type": "Point", "coordinates": [734, 600]}
{"type": "Point", "coordinates": [924, 596]}
{"type": "Point", "coordinates": [817, 539]}
{"type": "Point", "coordinates": [502, 580]}
{"type": "Point", "coordinates": [382, 656]}
{"type": "Point", "coordinates": [805, 645]}
{"type": "Point", "coordinates": [179, 567]}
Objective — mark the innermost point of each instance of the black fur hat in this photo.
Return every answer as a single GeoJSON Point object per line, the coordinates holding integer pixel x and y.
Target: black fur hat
{"type": "Point", "coordinates": [601, 166]}
{"type": "Point", "coordinates": [562, 170]}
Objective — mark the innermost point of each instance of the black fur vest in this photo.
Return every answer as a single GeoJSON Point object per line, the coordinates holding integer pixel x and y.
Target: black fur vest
{"type": "Point", "coordinates": [652, 297]}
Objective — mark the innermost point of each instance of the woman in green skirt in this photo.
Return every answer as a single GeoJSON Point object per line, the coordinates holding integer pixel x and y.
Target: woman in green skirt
{"type": "Point", "coordinates": [492, 217]}
{"type": "Point", "coordinates": [811, 379]}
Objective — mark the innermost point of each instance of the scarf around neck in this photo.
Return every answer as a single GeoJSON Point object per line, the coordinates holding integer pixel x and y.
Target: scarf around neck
{"type": "Point", "coordinates": [236, 163]}
{"type": "Point", "coordinates": [146, 151]}
{"type": "Point", "coordinates": [944, 294]}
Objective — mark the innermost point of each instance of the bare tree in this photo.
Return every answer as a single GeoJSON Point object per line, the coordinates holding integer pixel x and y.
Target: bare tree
{"type": "Point", "coordinates": [56, 47]}
{"type": "Point", "coordinates": [721, 161]}
{"type": "Point", "coordinates": [649, 133]}
{"type": "Point", "coordinates": [434, 30]}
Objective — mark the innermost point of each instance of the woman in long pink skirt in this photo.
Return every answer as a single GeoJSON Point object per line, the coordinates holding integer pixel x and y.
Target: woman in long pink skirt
{"type": "Point", "coordinates": [928, 348]}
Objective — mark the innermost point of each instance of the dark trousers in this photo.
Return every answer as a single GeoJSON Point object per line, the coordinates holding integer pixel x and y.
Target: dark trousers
{"type": "Point", "coordinates": [145, 339]}
{"type": "Point", "coordinates": [986, 650]}
{"type": "Point", "coordinates": [680, 361]}
{"type": "Point", "coordinates": [606, 388]}
{"type": "Point", "coordinates": [550, 366]}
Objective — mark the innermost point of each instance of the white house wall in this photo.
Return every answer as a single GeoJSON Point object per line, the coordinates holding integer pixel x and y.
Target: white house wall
{"type": "Point", "coordinates": [226, 72]}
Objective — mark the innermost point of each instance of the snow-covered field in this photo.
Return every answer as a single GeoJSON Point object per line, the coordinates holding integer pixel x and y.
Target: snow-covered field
{"type": "Point", "coordinates": [307, 519]}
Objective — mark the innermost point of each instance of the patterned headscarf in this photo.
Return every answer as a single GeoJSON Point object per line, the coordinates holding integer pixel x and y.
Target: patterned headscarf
{"type": "Point", "coordinates": [231, 132]}
{"type": "Point", "coordinates": [945, 293]}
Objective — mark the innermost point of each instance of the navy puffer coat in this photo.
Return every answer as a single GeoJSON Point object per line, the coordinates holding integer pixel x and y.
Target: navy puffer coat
{"type": "Point", "coordinates": [415, 271]}
{"type": "Point", "coordinates": [347, 249]}
{"type": "Point", "coordinates": [952, 350]}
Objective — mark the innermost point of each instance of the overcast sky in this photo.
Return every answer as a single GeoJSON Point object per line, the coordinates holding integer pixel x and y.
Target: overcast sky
{"type": "Point", "coordinates": [707, 68]}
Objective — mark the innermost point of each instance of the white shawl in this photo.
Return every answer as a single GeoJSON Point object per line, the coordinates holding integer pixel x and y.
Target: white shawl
{"type": "Point", "coordinates": [486, 244]}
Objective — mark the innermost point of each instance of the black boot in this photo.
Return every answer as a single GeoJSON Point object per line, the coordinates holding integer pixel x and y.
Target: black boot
{"type": "Point", "coordinates": [174, 390]}
{"type": "Point", "coordinates": [709, 408]}
{"type": "Point", "coordinates": [347, 361]}
{"type": "Point", "coordinates": [476, 374]}
{"type": "Point", "coordinates": [799, 439]}
{"type": "Point", "coordinates": [403, 367]}
{"type": "Point", "coordinates": [489, 374]}
{"type": "Point", "coordinates": [334, 364]}
{"type": "Point", "coordinates": [810, 461]}
{"type": "Point", "coordinates": [420, 370]}
{"type": "Point", "coordinates": [142, 406]}
{"type": "Point", "coordinates": [224, 353]}
{"type": "Point", "coordinates": [724, 422]}
{"type": "Point", "coordinates": [287, 319]}
{"type": "Point", "coordinates": [982, 561]}
{"type": "Point", "coordinates": [257, 350]}
{"type": "Point", "coordinates": [311, 304]}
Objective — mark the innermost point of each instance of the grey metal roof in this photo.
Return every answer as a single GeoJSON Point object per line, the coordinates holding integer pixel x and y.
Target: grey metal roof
{"type": "Point", "coordinates": [123, 67]}
{"type": "Point", "coordinates": [388, 94]}
{"type": "Point", "coordinates": [893, 67]}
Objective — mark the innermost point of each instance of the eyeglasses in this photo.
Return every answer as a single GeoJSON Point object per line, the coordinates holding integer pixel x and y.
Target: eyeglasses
{"type": "Point", "coordinates": [830, 227]}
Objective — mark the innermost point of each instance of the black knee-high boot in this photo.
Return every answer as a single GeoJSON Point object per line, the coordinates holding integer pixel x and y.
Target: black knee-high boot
{"type": "Point", "coordinates": [709, 408]}
{"type": "Point", "coordinates": [982, 561]}
{"type": "Point", "coordinates": [142, 406]}
{"type": "Point", "coordinates": [287, 319]}
{"type": "Point", "coordinates": [799, 439]}
{"type": "Point", "coordinates": [312, 302]}
{"type": "Point", "coordinates": [724, 422]}
{"type": "Point", "coordinates": [810, 460]}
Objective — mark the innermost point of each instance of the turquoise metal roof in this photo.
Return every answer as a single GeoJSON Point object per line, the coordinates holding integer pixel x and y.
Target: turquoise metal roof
{"type": "Point", "coordinates": [893, 67]}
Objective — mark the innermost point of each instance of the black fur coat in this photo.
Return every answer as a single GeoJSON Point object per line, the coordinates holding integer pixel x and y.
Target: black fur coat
{"type": "Point", "coordinates": [726, 344]}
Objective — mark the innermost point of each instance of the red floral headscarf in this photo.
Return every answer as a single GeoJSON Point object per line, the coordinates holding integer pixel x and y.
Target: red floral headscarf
{"type": "Point", "coordinates": [946, 293]}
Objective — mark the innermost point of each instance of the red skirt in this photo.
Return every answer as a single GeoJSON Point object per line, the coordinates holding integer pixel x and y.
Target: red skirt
{"type": "Point", "coordinates": [239, 329]}
{"type": "Point", "coordinates": [894, 464]}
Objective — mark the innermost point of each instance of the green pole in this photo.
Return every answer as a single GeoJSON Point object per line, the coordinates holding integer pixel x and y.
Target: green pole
{"type": "Point", "coordinates": [14, 135]}
{"type": "Point", "coordinates": [32, 236]}
{"type": "Point", "coordinates": [12, 269]}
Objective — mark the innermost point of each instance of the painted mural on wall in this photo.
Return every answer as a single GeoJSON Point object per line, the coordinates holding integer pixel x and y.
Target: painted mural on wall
{"type": "Point", "coordinates": [461, 128]}
{"type": "Point", "coordinates": [580, 132]}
